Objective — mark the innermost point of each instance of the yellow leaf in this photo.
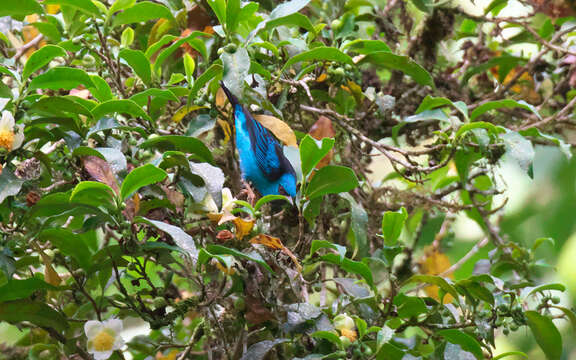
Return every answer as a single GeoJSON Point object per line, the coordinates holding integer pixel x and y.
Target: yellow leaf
{"type": "Point", "coordinates": [50, 275]}
{"type": "Point", "coordinates": [225, 270]}
{"type": "Point", "coordinates": [322, 77]}
{"type": "Point", "coordinates": [226, 129]}
{"type": "Point", "coordinates": [170, 356]}
{"type": "Point", "coordinates": [222, 102]}
{"type": "Point", "coordinates": [279, 128]}
{"type": "Point", "coordinates": [243, 227]}
{"type": "Point", "coordinates": [185, 110]}
{"type": "Point", "coordinates": [354, 89]}
{"type": "Point", "coordinates": [52, 9]}
{"type": "Point", "coordinates": [435, 262]}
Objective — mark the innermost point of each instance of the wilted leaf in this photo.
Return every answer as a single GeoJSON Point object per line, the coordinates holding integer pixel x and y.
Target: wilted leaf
{"type": "Point", "coordinates": [275, 243]}
{"type": "Point", "coordinates": [435, 262]}
{"type": "Point", "coordinates": [279, 128]}
{"type": "Point", "coordinates": [100, 170]}
{"type": "Point", "coordinates": [243, 227]}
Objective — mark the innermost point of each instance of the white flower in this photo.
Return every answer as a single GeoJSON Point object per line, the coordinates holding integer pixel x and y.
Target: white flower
{"type": "Point", "coordinates": [103, 337]}
{"type": "Point", "coordinates": [228, 204]}
{"type": "Point", "coordinates": [11, 136]}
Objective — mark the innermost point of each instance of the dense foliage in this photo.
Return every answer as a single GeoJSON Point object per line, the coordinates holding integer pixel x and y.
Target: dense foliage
{"type": "Point", "coordinates": [121, 195]}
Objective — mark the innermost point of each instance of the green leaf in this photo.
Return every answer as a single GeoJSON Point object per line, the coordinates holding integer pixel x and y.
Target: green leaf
{"type": "Point", "coordinates": [140, 177]}
{"type": "Point", "coordinates": [520, 149]}
{"type": "Point", "coordinates": [20, 289]}
{"type": "Point", "coordinates": [189, 66]}
{"type": "Point", "coordinates": [232, 15]}
{"type": "Point", "coordinates": [284, 9]}
{"type": "Point", "coordinates": [139, 63]}
{"type": "Point", "coordinates": [423, 5]}
{"type": "Point", "coordinates": [410, 306]}
{"type": "Point", "coordinates": [355, 267]}
{"type": "Point", "coordinates": [164, 54]}
{"type": "Point", "coordinates": [16, 8]}
{"type": "Point", "coordinates": [319, 53]}
{"type": "Point", "coordinates": [100, 90]}
{"type": "Point", "coordinates": [322, 244]}
{"type": "Point", "coordinates": [69, 244]}
{"type": "Point", "coordinates": [434, 280]}
{"type": "Point", "coordinates": [10, 185]}
{"type": "Point", "coordinates": [401, 63]}
{"type": "Point", "coordinates": [142, 98]}
{"type": "Point", "coordinates": [142, 12]}
{"type": "Point", "coordinates": [180, 237]}
{"type": "Point", "coordinates": [392, 225]}
{"type": "Point", "coordinates": [93, 193]}
{"type": "Point", "coordinates": [212, 72]}
{"type": "Point", "coordinates": [40, 58]}
{"type": "Point", "coordinates": [311, 153]}
{"type": "Point", "coordinates": [222, 250]}
{"type": "Point", "coordinates": [365, 47]}
{"type": "Point", "coordinates": [495, 7]}
{"type": "Point", "coordinates": [331, 179]}
{"type": "Point", "coordinates": [123, 106]}
{"type": "Point", "coordinates": [547, 287]}
{"type": "Point", "coordinates": [492, 129]}
{"type": "Point", "coordinates": [431, 102]}
{"type": "Point", "coordinates": [182, 143]}
{"type": "Point", "coordinates": [37, 313]}
{"type": "Point", "coordinates": [61, 78]}
{"type": "Point", "coordinates": [85, 6]}
{"type": "Point", "coordinates": [425, 115]}
{"type": "Point", "coordinates": [219, 8]}
{"type": "Point", "coordinates": [127, 37]}
{"type": "Point", "coordinates": [506, 103]}
{"type": "Point", "coordinates": [331, 336]}
{"type": "Point", "coordinates": [59, 106]}
{"type": "Point", "coordinates": [268, 198]}
{"type": "Point", "coordinates": [236, 68]}
{"type": "Point", "coordinates": [120, 5]}
{"type": "Point", "coordinates": [546, 334]}
{"type": "Point", "coordinates": [295, 19]}
{"type": "Point", "coordinates": [564, 147]}
{"type": "Point", "coordinates": [466, 342]}
{"type": "Point", "coordinates": [510, 353]}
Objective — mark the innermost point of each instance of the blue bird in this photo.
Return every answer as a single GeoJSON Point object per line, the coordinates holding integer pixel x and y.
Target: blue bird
{"type": "Point", "coordinates": [262, 160]}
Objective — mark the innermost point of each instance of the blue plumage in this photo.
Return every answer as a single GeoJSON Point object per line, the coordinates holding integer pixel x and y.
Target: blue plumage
{"type": "Point", "coordinates": [262, 160]}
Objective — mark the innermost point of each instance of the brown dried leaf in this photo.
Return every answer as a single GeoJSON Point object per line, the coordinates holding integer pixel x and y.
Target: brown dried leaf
{"type": "Point", "coordinates": [279, 128]}
{"type": "Point", "coordinates": [275, 243]}
{"type": "Point", "coordinates": [323, 128]}
{"type": "Point", "coordinates": [257, 312]}
{"type": "Point", "coordinates": [100, 170]}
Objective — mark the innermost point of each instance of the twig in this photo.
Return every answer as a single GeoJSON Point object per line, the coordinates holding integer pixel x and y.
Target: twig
{"type": "Point", "coordinates": [32, 43]}
{"type": "Point", "coordinates": [479, 245]}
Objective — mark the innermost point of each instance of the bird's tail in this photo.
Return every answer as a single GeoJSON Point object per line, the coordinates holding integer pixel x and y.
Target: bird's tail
{"type": "Point", "coordinates": [233, 99]}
